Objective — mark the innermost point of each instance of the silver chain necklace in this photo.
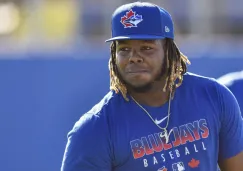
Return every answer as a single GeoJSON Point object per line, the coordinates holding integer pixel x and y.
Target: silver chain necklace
{"type": "Point", "coordinates": [165, 133]}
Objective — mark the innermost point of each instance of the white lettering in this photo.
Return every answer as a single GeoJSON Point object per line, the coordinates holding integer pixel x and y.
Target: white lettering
{"type": "Point", "coordinates": [186, 151]}
{"type": "Point", "coordinates": [171, 155]}
{"type": "Point", "coordinates": [162, 156]}
{"type": "Point", "coordinates": [145, 162]}
{"type": "Point", "coordinates": [195, 147]}
{"type": "Point", "coordinates": [155, 160]}
{"type": "Point", "coordinates": [177, 153]}
{"type": "Point", "coordinates": [204, 148]}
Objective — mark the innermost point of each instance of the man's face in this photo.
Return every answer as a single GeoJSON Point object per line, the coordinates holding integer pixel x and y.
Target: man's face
{"type": "Point", "coordinates": [140, 62]}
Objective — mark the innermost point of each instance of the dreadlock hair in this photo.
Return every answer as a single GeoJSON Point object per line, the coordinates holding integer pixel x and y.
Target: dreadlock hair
{"type": "Point", "coordinates": [175, 63]}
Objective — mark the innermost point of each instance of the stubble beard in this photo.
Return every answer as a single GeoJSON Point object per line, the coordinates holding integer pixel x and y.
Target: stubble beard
{"type": "Point", "coordinates": [146, 87]}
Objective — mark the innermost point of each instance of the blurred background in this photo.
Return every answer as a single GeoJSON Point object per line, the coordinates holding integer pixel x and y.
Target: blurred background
{"type": "Point", "coordinates": [54, 65]}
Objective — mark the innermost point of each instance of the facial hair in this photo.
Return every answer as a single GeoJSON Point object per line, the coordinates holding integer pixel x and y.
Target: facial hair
{"type": "Point", "coordinates": [147, 87]}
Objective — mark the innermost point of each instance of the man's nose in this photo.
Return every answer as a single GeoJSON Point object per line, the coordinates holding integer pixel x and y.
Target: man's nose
{"type": "Point", "coordinates": [135, 57]}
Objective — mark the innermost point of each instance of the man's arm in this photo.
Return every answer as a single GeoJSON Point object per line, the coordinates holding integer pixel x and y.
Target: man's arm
{"type": "Point", "coordinates": [231, 132]}
{"type": "Point", "coordinates": [232, 164]}
{"type": "Point", "coordinates": [88, 146]}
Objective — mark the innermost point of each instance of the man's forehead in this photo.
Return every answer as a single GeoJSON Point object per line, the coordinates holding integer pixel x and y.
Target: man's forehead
{"type": "Point", "coordinates": [119, 42]}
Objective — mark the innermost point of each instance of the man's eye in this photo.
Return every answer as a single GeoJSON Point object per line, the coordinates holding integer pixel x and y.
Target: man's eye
{"type": "Point", "coordinates": [146, 48]}
{"type": "Point", "coordinates": [124, 49]}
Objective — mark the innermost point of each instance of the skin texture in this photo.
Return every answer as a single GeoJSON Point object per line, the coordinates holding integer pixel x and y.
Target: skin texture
{"type": "Point", "coordinates": [140, 65]}
{"type": "Point", "coordinates": [232, 164]}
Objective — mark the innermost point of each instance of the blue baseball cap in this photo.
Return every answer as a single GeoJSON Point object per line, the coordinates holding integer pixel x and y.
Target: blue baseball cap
{"type": "Point", "coordinates": [141, 21]}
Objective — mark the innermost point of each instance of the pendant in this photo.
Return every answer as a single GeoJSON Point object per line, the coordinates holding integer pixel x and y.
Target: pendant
{"type": "Point", "coordinates": [165, 135]}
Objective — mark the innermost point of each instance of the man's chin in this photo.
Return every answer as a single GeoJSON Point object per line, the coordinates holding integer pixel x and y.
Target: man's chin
{"type": "Point", "coordinates": [140, 88]}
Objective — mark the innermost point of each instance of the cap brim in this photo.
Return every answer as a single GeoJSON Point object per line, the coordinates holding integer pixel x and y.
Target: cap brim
{"type": "Point", "coordinates": [135, 37]}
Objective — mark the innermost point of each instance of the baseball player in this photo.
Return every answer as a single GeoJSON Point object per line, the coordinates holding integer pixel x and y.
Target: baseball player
{"type": "Point", "coordinates": [157, 116]}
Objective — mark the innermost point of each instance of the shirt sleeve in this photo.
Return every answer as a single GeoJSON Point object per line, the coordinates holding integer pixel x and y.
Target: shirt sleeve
{"type": "Point", "coordinates": [88, 146]}
{"type": "Point", "coordinates": [231, 130]}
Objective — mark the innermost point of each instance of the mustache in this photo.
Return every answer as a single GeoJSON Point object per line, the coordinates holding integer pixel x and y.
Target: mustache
{"type": "Point", "coordinates": [163, 73]}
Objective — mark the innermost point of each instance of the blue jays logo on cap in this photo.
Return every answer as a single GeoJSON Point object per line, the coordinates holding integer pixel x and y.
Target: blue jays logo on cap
{"type": "Point", "coordinates": [131, 19]}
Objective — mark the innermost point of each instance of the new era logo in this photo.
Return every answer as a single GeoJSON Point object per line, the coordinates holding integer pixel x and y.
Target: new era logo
{"type": "Point", "coordinates": [167, 29]}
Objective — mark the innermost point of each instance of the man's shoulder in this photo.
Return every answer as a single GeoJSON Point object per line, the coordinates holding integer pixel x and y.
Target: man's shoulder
{"type": "Point", "coordinates": [192, 79]}
{"type": "Point", "coordinates": [109, 101]}
{"type": "Point", "coordinates": [208, 85]}
{"type": "Point", "coordinates": [98, 115]}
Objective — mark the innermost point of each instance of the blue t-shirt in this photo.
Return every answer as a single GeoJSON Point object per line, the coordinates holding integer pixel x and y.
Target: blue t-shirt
{"type": "Point", "coordinates": [116, 135]}
{"type": "Point", "coordinates": [234, 81]}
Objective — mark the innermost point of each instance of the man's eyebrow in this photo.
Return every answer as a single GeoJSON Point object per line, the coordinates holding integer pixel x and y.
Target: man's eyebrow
{"type": "Point", "coordinates": [149, 41]}
{"type": "Point", "coordinates": [121, 42]}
